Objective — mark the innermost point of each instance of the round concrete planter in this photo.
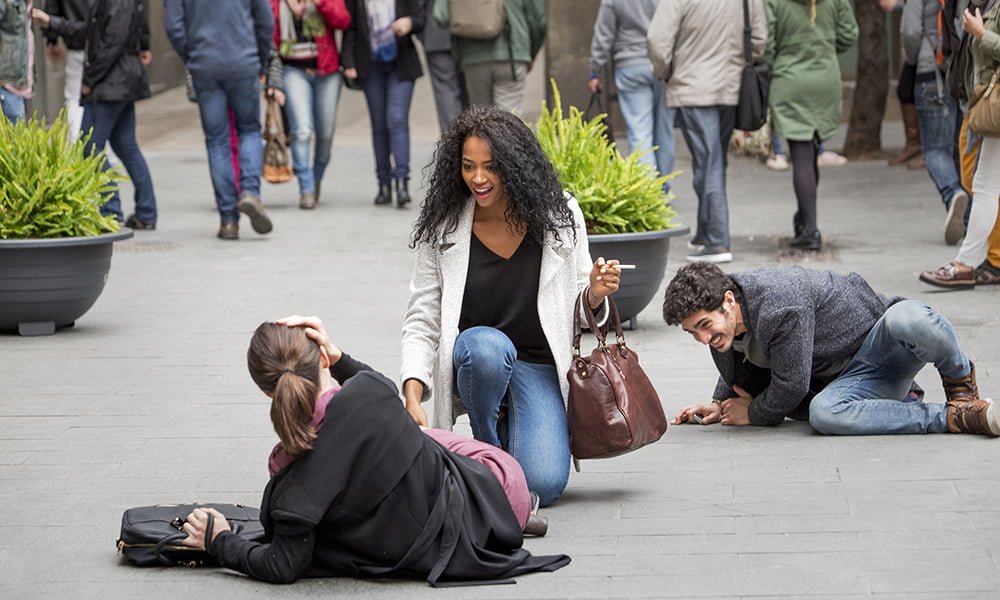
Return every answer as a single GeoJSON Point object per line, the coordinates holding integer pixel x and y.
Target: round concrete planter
{"type": "Point", "coordinates": [648, 252]}
{"type": "Point", "coordinates": [49, 283]}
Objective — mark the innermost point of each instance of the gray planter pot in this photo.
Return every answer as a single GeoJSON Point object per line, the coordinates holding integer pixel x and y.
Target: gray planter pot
{"type": "Point", "coordinates": [49, 283]}
{"type": "Point", "coordinates": [648, 252]}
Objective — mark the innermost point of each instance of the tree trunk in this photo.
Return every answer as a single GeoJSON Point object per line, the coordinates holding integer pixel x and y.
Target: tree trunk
{"type": "Point", "coordinates": [864, 131]}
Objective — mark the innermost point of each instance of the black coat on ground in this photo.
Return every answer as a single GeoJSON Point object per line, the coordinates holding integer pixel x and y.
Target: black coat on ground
{"type": "Point", "coordinates": [112, 36]}
{"type": "Point", "coordinates": [375, 497]}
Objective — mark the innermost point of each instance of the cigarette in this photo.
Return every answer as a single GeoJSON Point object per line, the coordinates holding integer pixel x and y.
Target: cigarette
{"type": "Point", "coordinates": [622, 266]}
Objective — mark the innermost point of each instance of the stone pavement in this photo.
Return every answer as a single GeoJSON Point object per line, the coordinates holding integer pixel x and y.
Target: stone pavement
{"type": "Point", "coordinates": [147, 400]}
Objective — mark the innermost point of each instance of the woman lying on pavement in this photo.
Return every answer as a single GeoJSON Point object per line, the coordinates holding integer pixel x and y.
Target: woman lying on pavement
{"type": "Point", "coordinates": [358, 490]}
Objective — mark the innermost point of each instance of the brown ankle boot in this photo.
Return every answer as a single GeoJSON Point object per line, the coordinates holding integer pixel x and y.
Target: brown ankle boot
{"type": "Point", "coordinates": [911, 127]}
{"type": "Point", "coordinates": [973, 416]}
{"type": "Point", "coordinates": [961, 389]}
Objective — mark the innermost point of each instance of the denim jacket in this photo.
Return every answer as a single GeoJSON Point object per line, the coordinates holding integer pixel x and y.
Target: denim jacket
{"type": "Point", "coordinates": [14, 23]}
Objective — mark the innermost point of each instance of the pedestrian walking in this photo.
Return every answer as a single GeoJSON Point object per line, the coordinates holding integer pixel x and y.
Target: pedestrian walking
{"type": "Point", "coordinates": [379, 53]}
{"type": "Point", "coordinates": [697, 47]}
{"type": "Point", "coordinates": [447, 81]}
{"type": "Point", "coordinates": [495, 67]}
{"type": "Point", "coordinates": [304, 37]}
{"type": "Point", "coordinates": [620, 37]}
{"type": "Point", "coordinates": [226, 47]}
{"type": "Point", "coordinates": [114, 78]}
{"type": "Point", "coordinates": [804, 39]}
{"type": "Point", "coordinates": [16, 61]}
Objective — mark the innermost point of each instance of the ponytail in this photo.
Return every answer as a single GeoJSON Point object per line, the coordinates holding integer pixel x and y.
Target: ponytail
{"type": "Point", "coordinates": [292, 405]}
{"type": "Point", "coordinates": [284, 363]}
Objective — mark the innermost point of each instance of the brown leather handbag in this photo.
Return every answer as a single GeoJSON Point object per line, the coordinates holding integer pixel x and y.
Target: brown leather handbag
{"type": "Point", "coordinates": [613, 408]}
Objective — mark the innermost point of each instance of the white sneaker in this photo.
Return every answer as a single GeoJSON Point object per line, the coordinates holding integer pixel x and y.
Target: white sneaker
{"type": "Point", "coordinates": [693, 245]}
{"type": "Point", "coordinates": [778, 162]}
{"type": "Point", "coordinates": [829, 158]}
{"type": "Point", "coordinates": [954, 222]}
{"type": "Point", "coordinates": [711, 254]}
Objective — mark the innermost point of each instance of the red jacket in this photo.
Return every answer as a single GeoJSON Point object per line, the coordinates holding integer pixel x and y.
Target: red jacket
{"type": "Point", "coordinates": [335, 15]}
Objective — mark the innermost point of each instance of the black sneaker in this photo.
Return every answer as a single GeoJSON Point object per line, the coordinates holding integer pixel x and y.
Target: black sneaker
{"type": "Point", "coordinates": [135, 223]}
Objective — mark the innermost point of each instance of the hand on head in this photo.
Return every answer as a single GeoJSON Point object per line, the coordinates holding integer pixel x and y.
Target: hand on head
{"type": "Point", "coordinates": [196, 527]}
{"type": "Point", "coordinates": [316, 332]}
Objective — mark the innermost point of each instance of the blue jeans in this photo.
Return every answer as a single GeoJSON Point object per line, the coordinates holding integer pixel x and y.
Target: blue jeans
{"type": "Point", "coordinates": [12, 105]}
{"type": "Point", "coordinates": [312, 109]}
{"type": "Point", "coordinates": [707, 130]}
{"type": "Point", "coordinates": [516, 406]}
{"type": "Point", "coordinates": [215, 98]}
{"type": "Point", "coordinates": [870, 396]}
{"type": "Point", "coordinates": [115, 122]}
{"type": "Point", "coordinates": [388, 99]}
{"type": "Point", "coordinates": [937, 138]}
{"type": "Point", "coordinates": [648, 120]}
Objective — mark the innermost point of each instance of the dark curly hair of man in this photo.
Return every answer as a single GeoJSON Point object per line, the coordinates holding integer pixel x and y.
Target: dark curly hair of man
{"type": "Point", "coordinates": [696, 287]}
{"type": "Point", "coordinates": [535, 199]}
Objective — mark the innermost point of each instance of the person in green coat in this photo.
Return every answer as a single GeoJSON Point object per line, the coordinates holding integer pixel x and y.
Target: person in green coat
{"type": "Point", "coordinates": [804, 38]}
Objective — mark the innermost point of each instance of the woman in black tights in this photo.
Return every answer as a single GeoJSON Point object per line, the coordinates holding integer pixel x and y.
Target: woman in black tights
{"type": "Point", "coordinates": [804, 39]}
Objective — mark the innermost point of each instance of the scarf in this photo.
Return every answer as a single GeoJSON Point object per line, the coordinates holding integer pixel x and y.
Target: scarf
{"type": "Point", "coordinates": [381, 14]}
{"type": "Point", "coordinates": [292, 46]}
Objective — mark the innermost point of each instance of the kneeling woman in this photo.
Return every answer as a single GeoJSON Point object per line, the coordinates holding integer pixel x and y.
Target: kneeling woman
{"type": "Point", "coordinates": [501, 255]}
{"type": "Point", "coordinates": [359, 490]}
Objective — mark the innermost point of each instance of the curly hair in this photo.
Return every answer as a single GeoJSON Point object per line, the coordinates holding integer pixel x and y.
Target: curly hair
{"type": "Point", "coordinates": [535, 199]}
{"type": "Point", "coordinates": [696, 287]}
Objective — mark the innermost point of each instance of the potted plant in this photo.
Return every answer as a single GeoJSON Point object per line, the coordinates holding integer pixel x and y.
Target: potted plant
{"type": "Point", "coordinates": [627, 214]}
{"type": "Point", "coordinates": [55, 245]}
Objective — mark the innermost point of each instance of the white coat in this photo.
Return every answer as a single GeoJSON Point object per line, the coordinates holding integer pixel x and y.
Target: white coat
{"type": "Point", "coordinates": [436, 291]}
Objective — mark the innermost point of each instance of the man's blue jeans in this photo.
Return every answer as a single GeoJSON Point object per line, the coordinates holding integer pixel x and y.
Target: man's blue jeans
{"type": "Point", "coordinates": [215, 98]}
{"type": "Point", "coordinates": [312, 110]}
{"type": "Point", "coordinates": [938, 118]}
{"type": "Point", "coordinates": [12, 105]}
{"type": "Point", "coordinates": [648, 120]}
{"type": "Point", "coordinates": [388, 99]}
{"type": "Point", "coordinates": [516, 406]}
{"type": "Point", "coordinates": [115, 122]}
{"type": "Point", "coordinates": [707, 131]}
{"type": "Point", "coordinates": [868, 397]}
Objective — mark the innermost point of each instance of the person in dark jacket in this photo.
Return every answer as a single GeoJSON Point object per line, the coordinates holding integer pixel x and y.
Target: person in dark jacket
{"type": "Point", "coordinates": [366, 493]}
{"type": "Point", "coordinates": [226, 46]}
{"type": "Point", "coordinates": [71, 10]}
{"type": "Point", "coordinates": [378, 51]}
{"type": "Point", "coordinates": [113, 79]}
{"type": "Point", "coordinates": [817, 345]}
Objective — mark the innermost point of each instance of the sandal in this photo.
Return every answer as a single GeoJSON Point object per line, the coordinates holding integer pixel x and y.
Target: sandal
{"type": "Point", "coordinates": [953, 275]}
{"type": "Point", "coordinates": [987, 274]}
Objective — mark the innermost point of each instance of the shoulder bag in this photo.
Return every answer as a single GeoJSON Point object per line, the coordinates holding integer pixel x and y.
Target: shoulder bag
{"type": "Point", "coordinates": [755, 83]}
{"type": "Point", "coordinates": [984, 108]}
{"type": "Point", "coordinates": [151, 535]}
{"type": "Point", "coordinates": [613, 408]}
{"type": "Point", "coordinates": [277, 164]}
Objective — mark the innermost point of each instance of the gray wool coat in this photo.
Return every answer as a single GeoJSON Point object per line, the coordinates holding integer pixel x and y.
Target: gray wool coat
{"type": "Point", "coordinates": [436, 291]}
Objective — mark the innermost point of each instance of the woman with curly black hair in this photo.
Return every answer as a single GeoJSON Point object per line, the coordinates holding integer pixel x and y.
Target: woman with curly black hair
{"type": "Point", "coordinates": [501, 256]}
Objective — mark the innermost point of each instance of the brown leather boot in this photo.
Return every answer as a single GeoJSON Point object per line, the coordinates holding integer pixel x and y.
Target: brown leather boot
{"type": "Point", "coordinates": [973, 416]}
{"type": "Point", "coordinates": [911, 127]}
{"type": "Point", "coordinates": [961, 389]}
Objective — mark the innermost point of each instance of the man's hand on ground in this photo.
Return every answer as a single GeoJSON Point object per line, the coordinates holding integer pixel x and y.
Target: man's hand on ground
{"type": "Point", "coordinates": [709, 413]}
{"type": "Point", "coordinates": [736, 410]}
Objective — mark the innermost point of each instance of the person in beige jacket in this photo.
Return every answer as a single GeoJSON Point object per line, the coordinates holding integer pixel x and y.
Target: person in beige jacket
{"type": "Point", "coordinates": [697, 47]}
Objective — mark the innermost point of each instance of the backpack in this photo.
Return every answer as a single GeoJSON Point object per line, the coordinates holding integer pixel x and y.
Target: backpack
{"type": "Point", "coordinates": [476, 19]}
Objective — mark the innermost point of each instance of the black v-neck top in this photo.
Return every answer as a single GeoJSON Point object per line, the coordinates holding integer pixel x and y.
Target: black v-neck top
{"type": "Point", "coordinates": [503, 293]}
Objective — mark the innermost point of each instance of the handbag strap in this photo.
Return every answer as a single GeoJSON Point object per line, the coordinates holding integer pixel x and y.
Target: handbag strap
{"type": "Point", "coordinates": [613, 318]}
{"type": "Point", "coordinates": [168, 541]}
{"type": "Point", "coordinates": [747, 55]}
{"type": "Point", "coordinates": [595, 98]}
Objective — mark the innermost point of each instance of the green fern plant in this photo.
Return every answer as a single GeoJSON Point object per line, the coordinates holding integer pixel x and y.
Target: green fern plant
{"type": "Point", "coordinates": [616, 194]}
{"type": "Point", "coordinates": [48, 187]}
